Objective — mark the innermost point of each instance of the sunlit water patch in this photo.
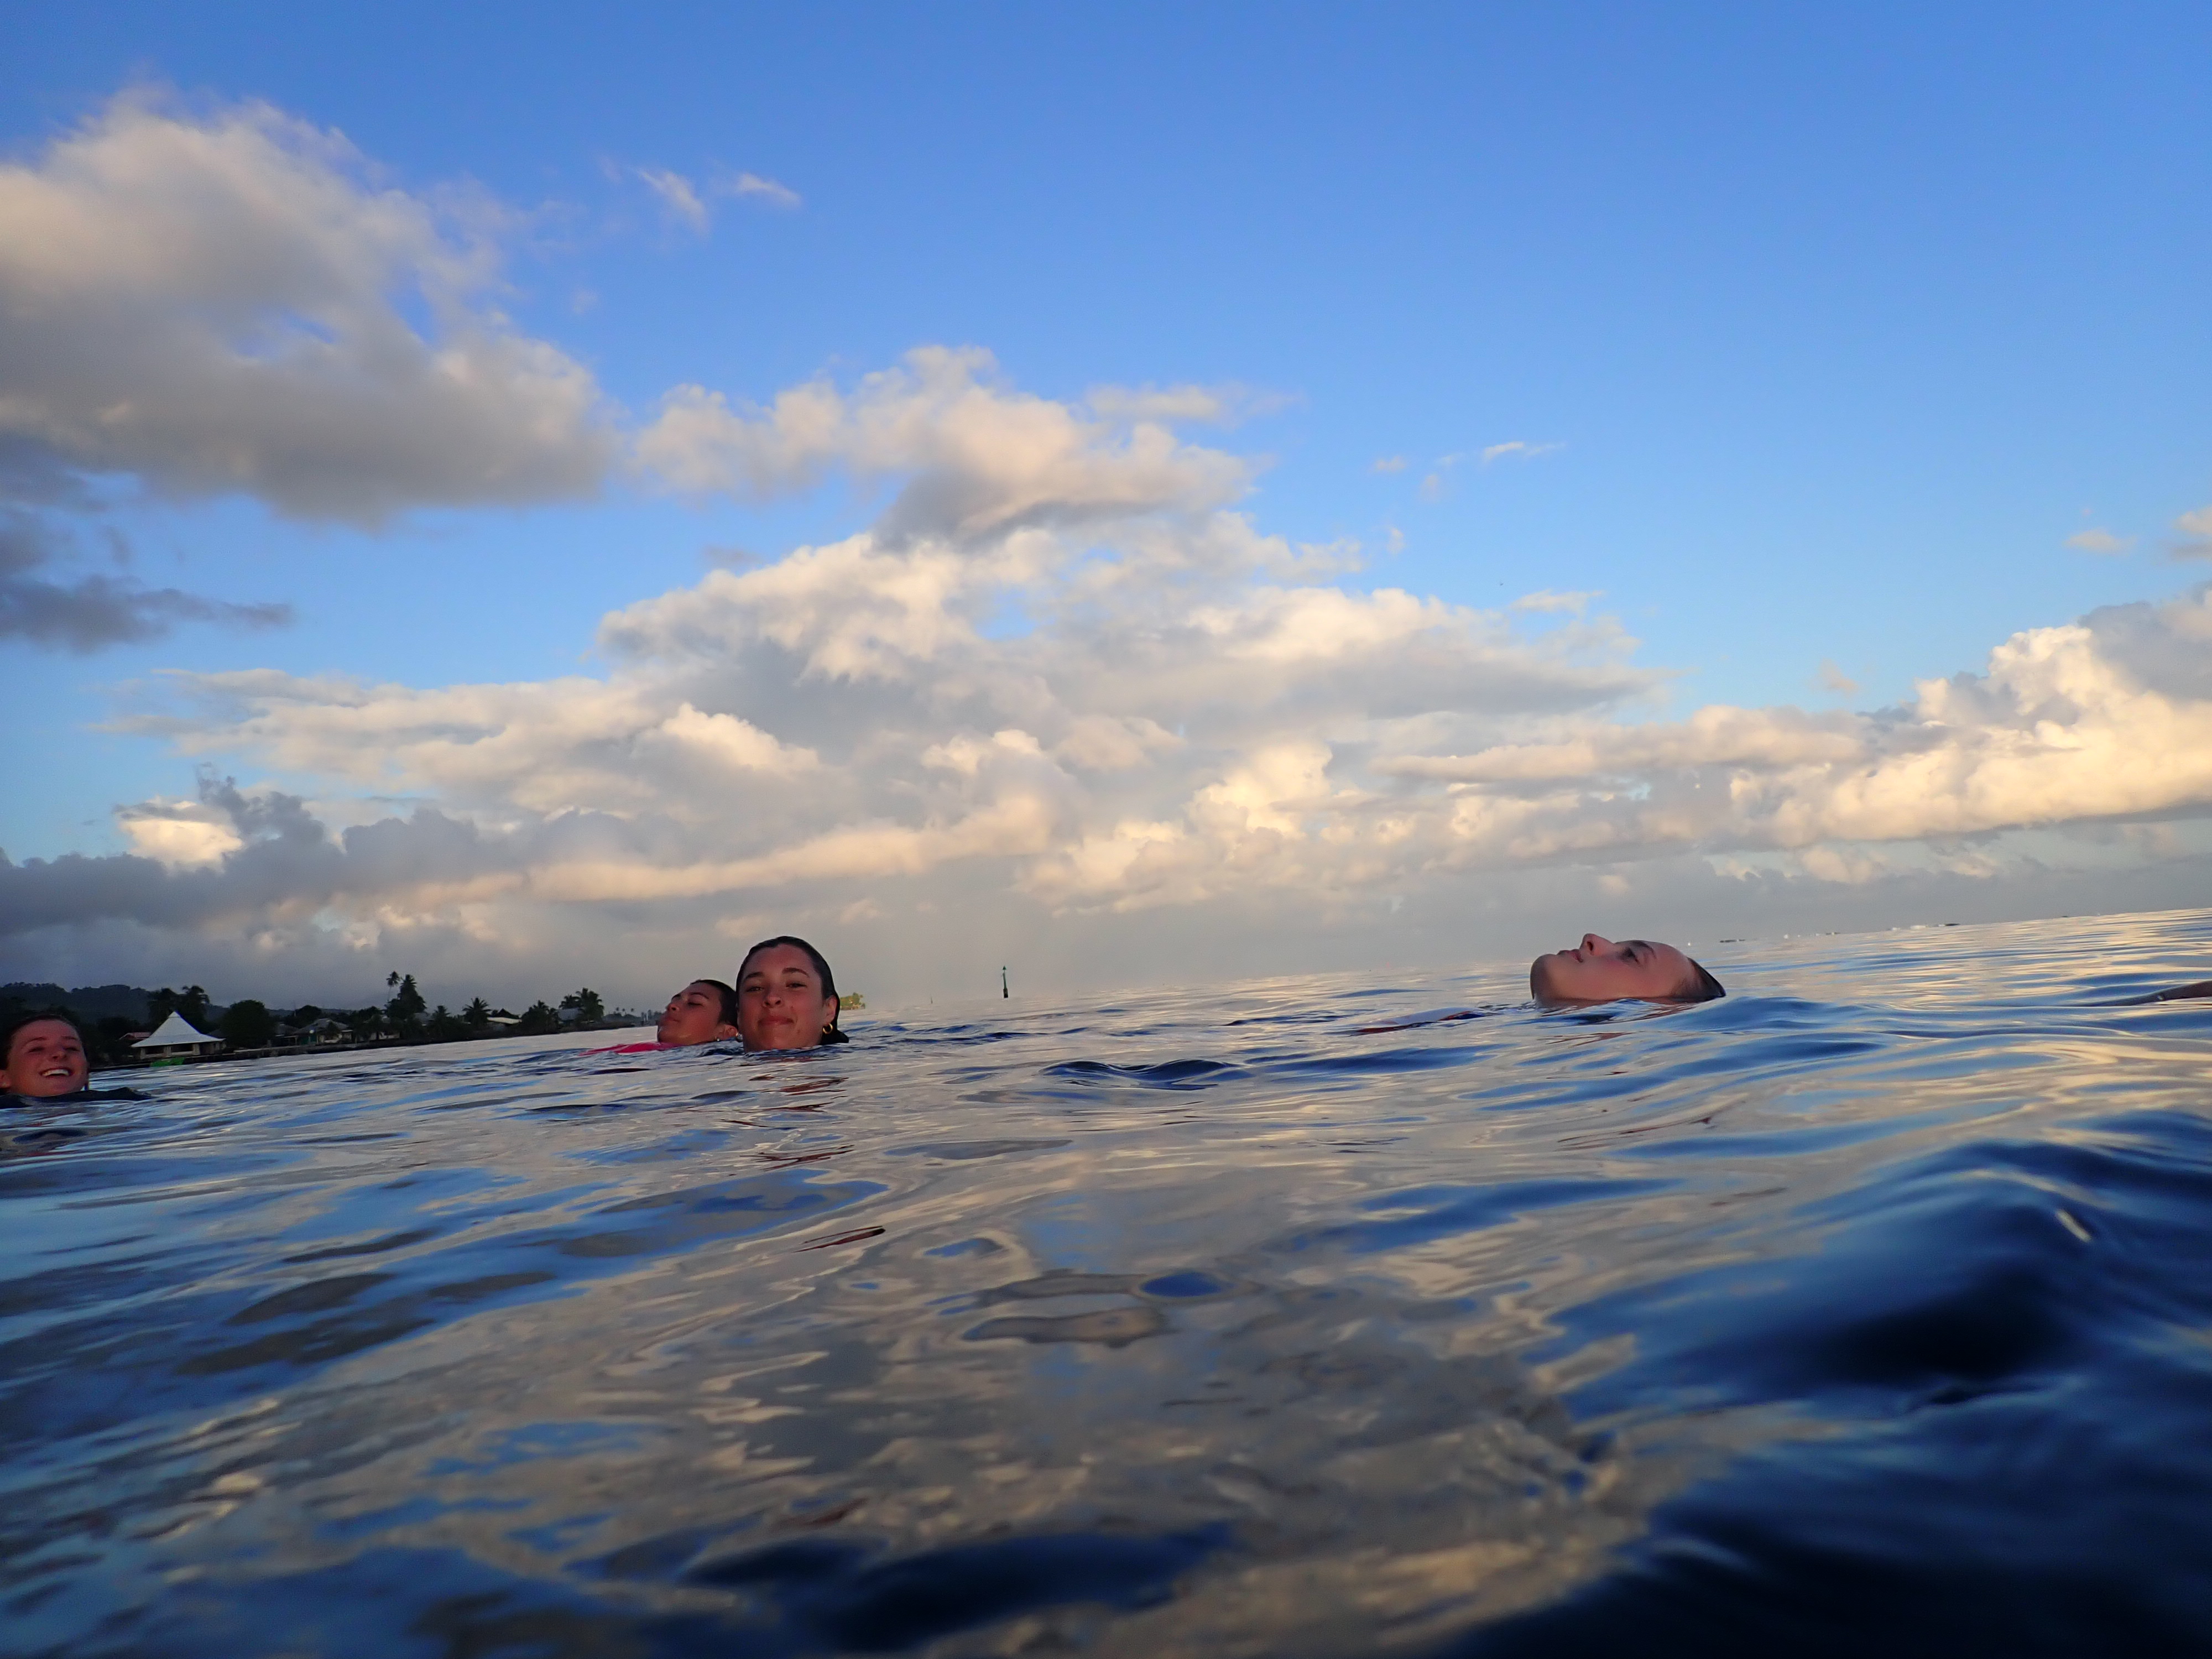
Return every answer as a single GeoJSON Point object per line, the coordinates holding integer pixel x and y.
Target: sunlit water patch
{"type": "Point", "coordinates": [1867, 1309]}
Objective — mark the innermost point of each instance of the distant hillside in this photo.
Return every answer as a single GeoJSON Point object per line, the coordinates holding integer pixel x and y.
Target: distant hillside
{"type": "Point", "coordinates": [93, 1001]}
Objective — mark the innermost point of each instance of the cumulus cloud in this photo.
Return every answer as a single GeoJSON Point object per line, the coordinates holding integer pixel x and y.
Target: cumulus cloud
{"type": "Point", "coordinates": [1061, 670]}
{"type": "Point", "coordinates": [181, 834]}
{"type": "Point", "coordinates": [539, 747]}
{"type": "Point", "coordinates": [982, 459]}
{"type": "Point", "coordinates": [1279, 775]}
{"type": "Point", "coordinates": [2106, 719]}
{"type": "Point", "coordinates": [860, 711]}
{"type": "Point", "coordinates": [251, 859]}
{"type": "Point", "coordinates": [234, 302]}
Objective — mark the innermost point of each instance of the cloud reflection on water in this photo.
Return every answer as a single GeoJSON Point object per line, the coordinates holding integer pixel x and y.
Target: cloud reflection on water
{"type": "Point", "coordinates": [1325, 1340]}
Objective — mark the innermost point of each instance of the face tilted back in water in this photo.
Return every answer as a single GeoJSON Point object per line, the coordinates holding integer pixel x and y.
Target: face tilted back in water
{"type": "Point", "coordinates": [1599, 970]}
{"type": "Point", "coordinates": [781, 1001]}
{"type": "Point", "coordinates": [45, 1058]}
{"type": "Point", "coordinates": [695, 1014]}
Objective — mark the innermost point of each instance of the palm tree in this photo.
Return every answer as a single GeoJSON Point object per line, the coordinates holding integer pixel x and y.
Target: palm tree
{"type": "Point", "coordinates": [407, 1003]}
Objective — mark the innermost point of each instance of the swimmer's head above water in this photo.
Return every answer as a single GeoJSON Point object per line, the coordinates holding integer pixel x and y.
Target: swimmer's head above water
{"type": "Point", "coordinates": [44, 1058]}
{"type": "Point", "coordinates": [705, 1011]}
{"type": "Point", "coordinates": [1600, 969]}
{"type": "Point", "coordinates": [786, 996]}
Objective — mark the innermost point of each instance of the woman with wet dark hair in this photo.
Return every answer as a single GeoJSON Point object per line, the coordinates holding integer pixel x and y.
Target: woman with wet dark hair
{"type": "Point", "coordinates": [786, 996]}
{"type": "Point", "coordinates": [705, 1011]}
{"type": "Point", "coordinates": [1599, 970]}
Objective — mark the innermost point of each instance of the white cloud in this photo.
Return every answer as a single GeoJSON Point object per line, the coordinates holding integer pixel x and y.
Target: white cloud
{"type": "Point", "coordinates": [179, 833]}
{"type": "Point", "coordinates": [230, 303]}
{"type": "Point", "coordinates": [1848, 866]}
{"type": "Point", "coordinates": [1713, 736]}
{"type": "Point", "coordinates": [982, 459]}
{"type": "Point", "coordinates": [1286, 778]}
{"type": "Point", "coordinates": [1217, 405]}
{"type": "Point", "coordinates": [1831, 677]}
{"type": "Point", "coordinates": [2197, 528]}
{"type": "Point", "coordinates": [2096, 540]}
{"type": "Point", "coordinates": [758, 187]}
{"type": "Point", "coordinates": [691, 203]}
{"type": "Point", "coordinates": [1183, 716]}
{"type": "Point", "coordinates": [842, 713]}
{"type": "Point", "coordinates": [540, 747]}
{"type": "Point", "coordinates": [1517, 449]}
{"type": "Point", "coordinates": [1110, 742]}
{"type": "Point", "coordinates": [1389, 463]}
{"type": "Point", "coordinates": [678, 195]}
{"type": "Point", "coordinates": [2105, 719]}
{"type": "Point", "coordinates": [732, 743]}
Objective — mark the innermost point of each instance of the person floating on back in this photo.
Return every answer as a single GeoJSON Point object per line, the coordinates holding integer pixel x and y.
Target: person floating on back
{"type": "Point", "coordinates": [1600, 970]}
{"type": "Point", "coordinates": [705, 1011]}
{"type": "Point", "coordinates": [786, 996]}
{"type": "Point", "coordinates": [46, 1059]}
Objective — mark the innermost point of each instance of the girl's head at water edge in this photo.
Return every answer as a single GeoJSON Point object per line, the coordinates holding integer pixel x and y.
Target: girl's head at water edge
{"type": "Point", "coordinates": [705, 1011]}
{"type": "Point", "coordinates": [1601, 970]}
{"type": "Point", "coordinates": [786, 996]}
{"type": "Point", "coordinates": [45, 1057]}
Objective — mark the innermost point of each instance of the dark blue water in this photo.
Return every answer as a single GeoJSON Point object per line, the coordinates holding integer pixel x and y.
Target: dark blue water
{"type": "Point", "coordinates": [1867, 1311]}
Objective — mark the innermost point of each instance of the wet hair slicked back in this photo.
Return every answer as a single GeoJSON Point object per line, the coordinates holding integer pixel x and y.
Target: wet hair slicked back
{"type": "Point", "coordinates": [830, 1032]}
{"type": "Point", "coordinates": [729, 996]}
{"type": "Point", "coordinates": [1704, 987]}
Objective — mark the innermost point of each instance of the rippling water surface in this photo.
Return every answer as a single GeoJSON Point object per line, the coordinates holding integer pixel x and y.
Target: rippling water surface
{"type": "Point", "coordinates": [1871, 1307]}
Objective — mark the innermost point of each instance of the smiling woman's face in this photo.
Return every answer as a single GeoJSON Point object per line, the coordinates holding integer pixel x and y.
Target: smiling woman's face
{"type": "Point", "coordinates": [1600, 969]}
{"type": "Point", "coordinates": [781, 1003]}
{"type": "Point", "coordinates": [44, 1058]}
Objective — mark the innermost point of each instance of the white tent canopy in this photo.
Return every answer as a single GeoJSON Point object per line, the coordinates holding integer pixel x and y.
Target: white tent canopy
{"type": "Point", "coordinates": [175, 1032]}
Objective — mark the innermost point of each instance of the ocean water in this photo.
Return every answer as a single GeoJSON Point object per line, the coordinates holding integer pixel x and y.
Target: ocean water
{"type": "Point", "coordinates": [1869, 1310]}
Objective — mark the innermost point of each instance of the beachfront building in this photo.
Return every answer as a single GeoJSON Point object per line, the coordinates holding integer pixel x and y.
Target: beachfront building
{"type": "Point", "coordinates": [175, 1039]}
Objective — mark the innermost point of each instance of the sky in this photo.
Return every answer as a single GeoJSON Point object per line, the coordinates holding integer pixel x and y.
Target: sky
{"type": "Point", "coordinates": [544, 495]}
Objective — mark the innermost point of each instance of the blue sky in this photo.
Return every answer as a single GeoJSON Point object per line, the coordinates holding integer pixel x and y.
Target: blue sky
{"type": "Point", "coordinates": [1838, 323]}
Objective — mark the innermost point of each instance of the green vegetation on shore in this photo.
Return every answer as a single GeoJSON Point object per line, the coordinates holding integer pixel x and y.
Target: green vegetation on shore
{"type": "Point", "coordinates": [113, 1017]}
